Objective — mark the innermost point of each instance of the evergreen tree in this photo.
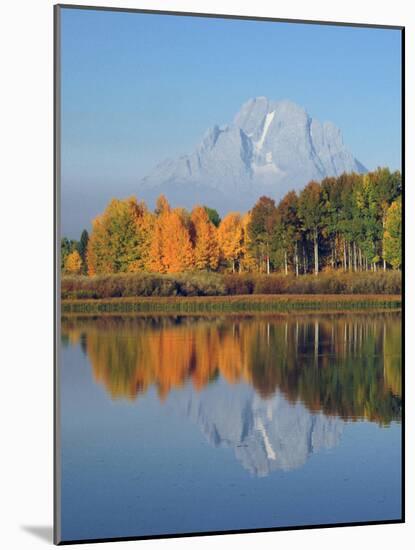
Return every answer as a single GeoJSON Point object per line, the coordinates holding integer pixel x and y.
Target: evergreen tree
{"type": "Point", "coordinates": [213, 215]}
{"type": "Point", "coordinates": [82, 249]}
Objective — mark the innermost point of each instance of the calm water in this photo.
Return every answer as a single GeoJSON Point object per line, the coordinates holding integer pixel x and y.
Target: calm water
{"type": "Point", "coordinates": [186, 424]}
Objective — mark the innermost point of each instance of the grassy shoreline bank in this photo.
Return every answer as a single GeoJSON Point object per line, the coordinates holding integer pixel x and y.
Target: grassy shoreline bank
{"type": "Point", "coordinates": [232, 304]}
{"type": "Point", "coordinates": [194, 284]}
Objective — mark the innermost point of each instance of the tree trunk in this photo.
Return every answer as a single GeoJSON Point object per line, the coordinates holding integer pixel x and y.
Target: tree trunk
{"type": "Point", "coordinates": [355, 256]}
{"type": "Point", "coordinates": [267, 265]}
{"type": "Point", "coordinates": [296, 259]}
{"type": "Point", "coordinates": [233, 266]}
{"type": "Point", "coordinates": [335, 251]}
{"type": "Point", "coordinates": [344, 256]}
{"type": "Point", "coordinates": [285, 262]}
{"type": "Point", "coordinates": [315, 252]}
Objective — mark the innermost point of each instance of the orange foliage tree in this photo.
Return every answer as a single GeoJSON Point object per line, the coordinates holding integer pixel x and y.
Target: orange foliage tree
{"type": "Point", "coordinates": [145, 222]}
{"type": "Point", "coordinates": [230, 237]}
{"type": "Point", "coordinates": [178, 252]}
{"type": "Point", "coordinates": [205, 241]}
{"type": "Point", "coordinates": [171, 248]}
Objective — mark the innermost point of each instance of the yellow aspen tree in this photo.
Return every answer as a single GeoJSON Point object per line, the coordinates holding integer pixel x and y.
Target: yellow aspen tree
{"type": "Point", "coordinates": [145, 222]}
{"type": "Point", "coordinates": [177, 246]}
{"type": "Point", "coordinates": [115, 242]}
{"type": "Point", "coordinates": [230, 238]}
{"type": "Point", "coordinates": [97, 261]}
{"type": "Point", "coordinates": [205, 241]}
{"type": "Point", "coordinates": [73, 263]}
{"type": "Point", "coordinates": [247, 262]}
{"type": "Point", "coordinates": [156, 254]}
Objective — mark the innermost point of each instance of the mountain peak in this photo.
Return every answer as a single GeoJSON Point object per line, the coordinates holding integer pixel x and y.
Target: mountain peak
{"type": "Point", "coordinates": [269, 148]}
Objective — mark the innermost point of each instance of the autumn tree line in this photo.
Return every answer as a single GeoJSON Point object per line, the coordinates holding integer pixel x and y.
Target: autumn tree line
{"type": "Point", "coordinates": [351, 223]}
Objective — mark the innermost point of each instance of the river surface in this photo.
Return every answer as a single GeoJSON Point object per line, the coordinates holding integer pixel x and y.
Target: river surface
{"type": "Point", "coordinates": [194, 424]}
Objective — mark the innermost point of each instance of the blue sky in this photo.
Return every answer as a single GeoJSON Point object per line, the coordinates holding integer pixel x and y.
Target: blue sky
{"type": "Point", "coordinates": [138, 88]}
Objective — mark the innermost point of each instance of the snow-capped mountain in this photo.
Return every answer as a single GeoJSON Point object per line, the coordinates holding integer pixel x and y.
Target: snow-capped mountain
{"type": "Point", "coordinates": [265, 434]}
{"type": "Point", "coordinates": [270, 148]}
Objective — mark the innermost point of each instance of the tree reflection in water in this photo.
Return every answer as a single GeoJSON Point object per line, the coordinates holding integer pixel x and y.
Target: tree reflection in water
{"type": "Point", "coordinates": [343, 365]}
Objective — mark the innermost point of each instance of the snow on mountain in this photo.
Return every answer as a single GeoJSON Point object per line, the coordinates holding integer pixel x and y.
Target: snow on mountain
{"type": "Point", "coordinates": [270, 148]}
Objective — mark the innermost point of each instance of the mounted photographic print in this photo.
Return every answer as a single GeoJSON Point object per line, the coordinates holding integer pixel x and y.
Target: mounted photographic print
{"type": "Point", "coordinates": [228, 353]}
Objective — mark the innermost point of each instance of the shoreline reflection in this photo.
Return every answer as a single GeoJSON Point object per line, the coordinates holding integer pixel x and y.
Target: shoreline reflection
{"type": "Point", "coordinates": [347, 366]}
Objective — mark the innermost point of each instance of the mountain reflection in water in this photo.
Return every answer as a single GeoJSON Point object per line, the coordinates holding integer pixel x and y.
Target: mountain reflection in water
{"type": "Point", "coordinates": [266, 434]}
